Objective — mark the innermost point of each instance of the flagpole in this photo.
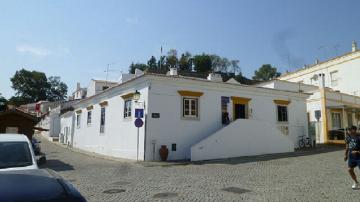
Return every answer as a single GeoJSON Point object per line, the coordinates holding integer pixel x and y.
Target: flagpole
{"type": "Point", "coordinates": [160, 57]}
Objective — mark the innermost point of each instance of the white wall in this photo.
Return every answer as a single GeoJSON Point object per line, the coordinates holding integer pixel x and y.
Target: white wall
{"type": "Point", "coordinates": [54, 122]}
{"type": "Point", "coordinates": [171, 128]}
{"type": "Point", "coordinates": [67, 120]}
{"type": "Point", "coordinates": [242, 138]}
{"type": "Point", "coordinates": [96, 87]}
{"type": "Point", "coordinates": [348, 68]}
{"type": "Point", "coordinates": [161, 96]}
{"type": "Point", "coordinates": [289, 86]}
{"type": "Point", "coordinates": [120, 136]}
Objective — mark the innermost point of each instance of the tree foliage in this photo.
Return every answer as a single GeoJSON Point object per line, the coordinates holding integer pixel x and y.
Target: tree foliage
{"type": "Point", "coordinates": [266, 72]}
{"type": "Point", "coordinates": [3, 103]}
{"type": "Point", "coordinates": [57, 90]}
{"type": "Point", "coordinates": [33, 86]}
{"type": "Point", "coordinates": [139, 66]}
{"type": "Point", "coordinates": [30, 86]}
{"type": "Point", "coordinates": [185, 62]}
{"type": "Point", "coordinates": [171, 58]}
{"type": "Point", "coordinates": [152, 63]}
{"type": "Point", "coordinates": [203, 63]}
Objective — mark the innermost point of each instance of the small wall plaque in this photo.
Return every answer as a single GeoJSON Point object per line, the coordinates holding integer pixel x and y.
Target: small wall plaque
{"type": "Point", "coordinates": [155, 115]}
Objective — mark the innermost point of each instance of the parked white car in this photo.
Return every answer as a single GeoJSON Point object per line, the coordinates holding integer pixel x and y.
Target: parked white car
{"type": "Point", "coordinates": [16, 153]}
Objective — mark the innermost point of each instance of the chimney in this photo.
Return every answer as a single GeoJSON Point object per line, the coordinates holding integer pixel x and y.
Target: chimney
{"type": "Point", "coordinates": [77, 86]}
{"type": "Point", "coordinates": [173, 72]}
{"type": "Point", "coordinates": [214, 77]}
{"type": "Point", "coordinates": [321, 80]}
{"type": "Point", "coordinates": [317, 61]}
{"type": "Point", "coordinates": [138, 72]}
{"type": "Point", "coordinates": [353, 46]}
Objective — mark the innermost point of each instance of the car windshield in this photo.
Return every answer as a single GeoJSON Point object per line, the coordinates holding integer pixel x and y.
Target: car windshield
{"type": "Point", "coordinates": [14, 154]}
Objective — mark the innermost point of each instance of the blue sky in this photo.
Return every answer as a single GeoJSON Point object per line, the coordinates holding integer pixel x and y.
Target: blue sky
{"type": "Point", "coordinates": [77, 39]}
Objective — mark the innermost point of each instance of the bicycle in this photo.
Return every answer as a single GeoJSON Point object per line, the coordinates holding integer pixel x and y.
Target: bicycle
{"type": "Point", "coordinates": [304, 142]}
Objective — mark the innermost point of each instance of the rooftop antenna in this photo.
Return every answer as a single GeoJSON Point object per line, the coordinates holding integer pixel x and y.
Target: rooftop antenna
{"type": "Point", "coordinates": [109, 70]}
{"type": "Point", "coordinates": [288, 61]}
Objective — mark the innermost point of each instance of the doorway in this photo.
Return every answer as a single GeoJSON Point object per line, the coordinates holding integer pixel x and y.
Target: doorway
{"type": "Point", "coordinates": [240, 111]}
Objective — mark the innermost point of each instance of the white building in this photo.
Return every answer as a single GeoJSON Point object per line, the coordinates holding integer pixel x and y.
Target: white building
{"type": "Point", "coordinates": [187, 114]}
{"type": "Point", "coordinates": [335, 90]}
{"type": "Point", "coordinates": [80, 93]}
{"type": "Point", "coordinates": [97, 86]}
{"type": "Point", "coordinates": [341, 73]}
{"type": "Point", "coordinates": [52, 120]}
{"type": "Point", "coordinates": [67, 128]}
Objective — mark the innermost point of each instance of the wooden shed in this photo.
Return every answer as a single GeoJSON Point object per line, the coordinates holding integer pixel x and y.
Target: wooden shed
{"type": "Point", "coordinates": [17, 121]}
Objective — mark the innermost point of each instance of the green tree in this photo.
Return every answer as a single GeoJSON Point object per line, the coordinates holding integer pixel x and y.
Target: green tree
{"type": "Point", "coordinates": [185, 62]}
{"type": "Point", "coordinates": [171, 58]}
{"type": "Point", "coordinates": [139, 66]}
{"type": "Point", "coordinates": [30, 86]}
{"type": "Point", "coordinates": [152, 63]}
{"type": "Point", "coordinates": [33, 86]}
{"type": "Point", "coordinates": [220, 64]}
{"type": "Point", "coordinates": [235, 67]}
{"type": "Point", "coordinates": [265, 73]}
{"type": "Point", "coordinates": [58, 89]}
{"type": "Point", "coordinates": [203, 63]}
{"type": "Point", "coordinates": [3, 103]}
{"type": "Point", "coordinates": [162, 63]}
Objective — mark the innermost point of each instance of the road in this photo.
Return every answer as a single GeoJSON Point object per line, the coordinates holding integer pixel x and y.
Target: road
{"type": "Point", "coordinates": [312, 175]}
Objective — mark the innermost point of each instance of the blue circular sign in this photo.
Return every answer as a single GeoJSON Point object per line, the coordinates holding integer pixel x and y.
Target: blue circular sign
{"type": "Point", "coordinates": [138, 122]}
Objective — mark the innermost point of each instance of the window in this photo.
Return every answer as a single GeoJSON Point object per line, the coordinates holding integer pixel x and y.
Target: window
{"type": "Point", "coordinates": [282, 113]}
{"type": "Point", "coordinates": [89, 118]}
{"type": "Point", "coordinates": [336, 120]}
{"type": "Point", "coordinates": [15, 154]}
{"type": "Point", "coordinates": [105, 87]}
{"type": "Point", "coordinates": [190, 107]}
{"type": "Point", "coordinates": [127, 109]}
{"type": "Point", "coordinates": [102, 120]}
{"type": "Point", "coordinates": [78, 120]}
{"type": "Point", "coordinates": [173, 147]}
{"type": "Point", "coordinates": [334, 78]}
{"type": "Point", "coordinates": [224, 110]}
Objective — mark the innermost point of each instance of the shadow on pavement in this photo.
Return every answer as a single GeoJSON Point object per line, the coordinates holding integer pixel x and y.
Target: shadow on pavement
{"type": "Point", "coordinates": [249, 159]}
{"type": "Point", "coordinates": [57, 165]}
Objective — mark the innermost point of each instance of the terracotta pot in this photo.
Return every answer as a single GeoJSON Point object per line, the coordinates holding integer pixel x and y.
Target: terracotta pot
{"type": "Point", "coordinates": [164, 152]}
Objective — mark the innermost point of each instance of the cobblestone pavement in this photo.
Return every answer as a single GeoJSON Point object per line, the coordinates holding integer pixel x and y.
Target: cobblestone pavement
{"type": "Point", "coordinates": [301, 176]}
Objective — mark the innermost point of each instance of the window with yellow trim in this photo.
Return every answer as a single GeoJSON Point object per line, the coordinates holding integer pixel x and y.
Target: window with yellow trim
{"type": "Point", "coordinates": [127, 108]}
{"type": "Point", "coordinates": [282, 113]}
{"type": "Point", "coordinates": [190, 107]}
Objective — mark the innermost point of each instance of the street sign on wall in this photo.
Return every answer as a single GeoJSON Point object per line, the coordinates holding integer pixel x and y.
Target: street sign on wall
{"type": "Point", "coordinates": [139, 113]}
{"type": "Point", "coordinates": [138, 122]}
